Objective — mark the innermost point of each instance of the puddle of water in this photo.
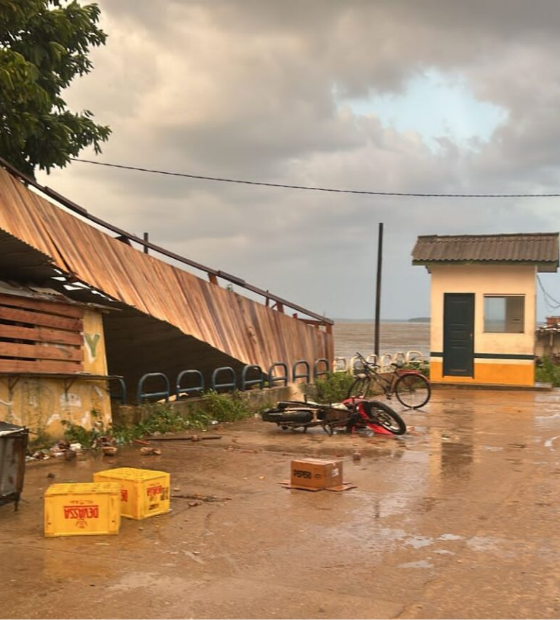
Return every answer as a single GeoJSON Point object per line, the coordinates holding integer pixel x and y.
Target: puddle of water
{"type": "Point", "coordinates": [482, 543]}
{"type": "Point", "coordinates": [450, 537]}
{"type": "Point", "coordinates": [157, 582]}
{"type": "Point", "coordinates": [548, 442]}
{"type": "Point", "coordinates": [419, 564]}
{"type": "Point", "coordinates": [419, 541]}
{"type": "Point", "coordinates": [443, 552]}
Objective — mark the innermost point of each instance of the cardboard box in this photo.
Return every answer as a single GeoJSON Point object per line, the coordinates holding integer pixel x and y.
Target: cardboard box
{"type": "Point", "coordinates": [82, 509]}
{"type": "Point", "coordinates": [144, 492]}
{"type": "Point", "coordinates": [316, 474]}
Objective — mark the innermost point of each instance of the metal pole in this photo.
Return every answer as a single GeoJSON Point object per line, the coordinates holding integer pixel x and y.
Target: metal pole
{"type": "Point", "coordinates": [378, 289]}
{"type": "Point", "coordinates": [146, 239]}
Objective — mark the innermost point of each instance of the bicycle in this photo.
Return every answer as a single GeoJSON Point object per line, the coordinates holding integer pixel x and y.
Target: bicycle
{"type": "Point", "coordinates": [411, 387]}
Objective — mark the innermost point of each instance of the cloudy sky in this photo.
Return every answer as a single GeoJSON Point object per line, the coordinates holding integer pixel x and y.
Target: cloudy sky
{"type": "Point", "coordinates": [381, 95]}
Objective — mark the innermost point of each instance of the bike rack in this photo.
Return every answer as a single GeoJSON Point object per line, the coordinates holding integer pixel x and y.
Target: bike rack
{"type": "Point", "coordinates": [122, 395]}
{"type": "Point", "coordinates": [385, 362]}
{"type": "Point", "coordinates": [355, 365]}
{"type": "Point", "coordinates": [189, 390]}
{"type": "Point", "coordinates": [259, 381]}
{"type": "Point", "coordinates": [301, 375]}
{"type": "Point", "coordinates": [399, 358]}
{"type": "Point", "coordinates": [272, 379]}
{"type": "Point", "coordinates": [414, 358]}
{"type": "Point", "coordinates": [372, 358]}
{"type": "Point", "coordinates": [340, 361]}
{"type": "Point", "coordinates": [231, 385]}
{"type": "Point", "coordinates": [144, 395]}
{"type": "Point", "coordinates": [321, 373]}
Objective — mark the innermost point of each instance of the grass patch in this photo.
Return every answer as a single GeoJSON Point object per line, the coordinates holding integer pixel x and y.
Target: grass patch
{"type": "Point", "coordinates": [162, 419]}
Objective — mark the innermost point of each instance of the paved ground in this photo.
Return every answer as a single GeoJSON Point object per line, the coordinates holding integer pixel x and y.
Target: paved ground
{"type": "Point", "coordinates": [458, 519]}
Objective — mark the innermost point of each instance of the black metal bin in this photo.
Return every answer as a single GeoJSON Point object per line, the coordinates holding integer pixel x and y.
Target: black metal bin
{"type": "Point", "coordinates": [13, 445]}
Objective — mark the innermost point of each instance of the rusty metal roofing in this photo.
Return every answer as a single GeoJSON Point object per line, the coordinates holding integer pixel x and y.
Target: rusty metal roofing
{"type": "Point", "coordinates": [536, 248]}
{"type": "Point", "coordinates": [39, 240]}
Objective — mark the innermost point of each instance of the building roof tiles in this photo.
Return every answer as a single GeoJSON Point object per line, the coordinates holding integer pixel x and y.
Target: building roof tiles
{"type": "Point", "coordinates": [536, 248]}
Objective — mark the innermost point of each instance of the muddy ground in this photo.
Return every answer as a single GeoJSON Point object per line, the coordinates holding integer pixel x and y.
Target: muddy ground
{"type": "Point", "coordinates": [458, 519]}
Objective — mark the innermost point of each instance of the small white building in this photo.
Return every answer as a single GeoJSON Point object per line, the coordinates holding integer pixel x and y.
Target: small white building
{"type": "Point", "coordinates": [483, 304]}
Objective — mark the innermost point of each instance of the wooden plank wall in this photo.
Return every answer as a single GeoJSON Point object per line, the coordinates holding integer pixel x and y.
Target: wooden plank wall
{"type": "Point", "coordinates": [240, 327]}
{"type": "Point", "coordinates": [40, 336]}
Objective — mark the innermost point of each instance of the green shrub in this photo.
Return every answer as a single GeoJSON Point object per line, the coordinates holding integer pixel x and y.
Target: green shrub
{"type": "Point", "coordinates": [548, 372]}
{"type": "Point", "coordinates": [423, 367]}
{"type": "Point", "coordinates": [225, 407]}
{"type": "Point", "coordinates": [332, 388]}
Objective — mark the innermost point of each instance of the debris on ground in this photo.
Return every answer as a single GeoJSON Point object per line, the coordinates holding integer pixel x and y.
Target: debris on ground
{"type": "Point", "coordinates": [109, 450]}
{"type": "Point", "coordinates": [189, 438]}
{"type": "Point", "coordinates": [201, 498]}
{"type": "Point", "coordinates": [150, 451]}
{"type": "Point", "coordinates": [356, 456]}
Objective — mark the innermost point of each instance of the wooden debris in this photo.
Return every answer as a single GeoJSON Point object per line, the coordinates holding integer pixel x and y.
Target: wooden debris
{"type": "Point", "coordinates": [202, 498]}
{"type": "Point", "coordinates": [189, 438]}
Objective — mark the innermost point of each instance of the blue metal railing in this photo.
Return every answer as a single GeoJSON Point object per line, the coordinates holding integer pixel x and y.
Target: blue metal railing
{"type": "Point", "coordinates": [272, 379]}
{"type": "Point", "coordinates": [141, 395]}
{"type": "Point", "coordinates": [214, 385]}
{"type": "Point", "coordinates": [248, 383]}
{"type": "Point", "coordinates": [225, 379]}
{"type": "Point", "coordinates": [326, 367]}
{"type": "Point", "coordinates": [189, 390]}
{"type": "Point", "coordinates": [122, 396]}
{"type": "Point", "coordinates": [296, 374]}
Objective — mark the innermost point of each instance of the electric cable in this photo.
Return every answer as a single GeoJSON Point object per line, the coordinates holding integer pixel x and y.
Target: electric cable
{"type": "Point", "coordinates": [552, 303]}
{"type": "Point", "coordinates": [201, 177]}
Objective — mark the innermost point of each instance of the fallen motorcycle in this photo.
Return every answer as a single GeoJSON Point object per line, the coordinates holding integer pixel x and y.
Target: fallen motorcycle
{"type": "Point", "coordinates": [352, 414]}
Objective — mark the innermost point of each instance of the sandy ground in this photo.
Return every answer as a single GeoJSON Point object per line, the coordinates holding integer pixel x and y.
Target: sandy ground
{"type": "Point", "coordinates": [457, 519]}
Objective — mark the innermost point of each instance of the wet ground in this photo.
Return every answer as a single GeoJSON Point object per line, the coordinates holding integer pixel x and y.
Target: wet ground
{"type": "Point", "coordinates": [458, 519]}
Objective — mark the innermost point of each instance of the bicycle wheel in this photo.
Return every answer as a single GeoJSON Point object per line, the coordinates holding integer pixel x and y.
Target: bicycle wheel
{"type": "Point", "coordinates": [382, 415]}
{"type": "Point", "coordinates": [412, 390]}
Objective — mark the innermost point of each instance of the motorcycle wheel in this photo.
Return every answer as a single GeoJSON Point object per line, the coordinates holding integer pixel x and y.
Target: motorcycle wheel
{"type": "Point", "coordinates": [382, 415]}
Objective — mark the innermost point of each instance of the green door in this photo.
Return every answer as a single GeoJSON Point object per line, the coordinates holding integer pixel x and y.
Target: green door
{"type": "Point", "coordinates": [458, 335]}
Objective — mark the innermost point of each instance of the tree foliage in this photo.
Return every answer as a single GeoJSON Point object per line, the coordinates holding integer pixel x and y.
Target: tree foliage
{"type": "Point", "coordinates": [44, 44]}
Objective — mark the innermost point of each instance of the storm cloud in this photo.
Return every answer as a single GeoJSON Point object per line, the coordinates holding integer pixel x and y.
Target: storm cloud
{"type": "Point", "coordinates": [264, 90]}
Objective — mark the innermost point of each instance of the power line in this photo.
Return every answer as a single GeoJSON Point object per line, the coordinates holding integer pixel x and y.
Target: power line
{"type": "Point", "coordinates": [552, 303]}
{"type": "Point", "coordinates": [307, 187]}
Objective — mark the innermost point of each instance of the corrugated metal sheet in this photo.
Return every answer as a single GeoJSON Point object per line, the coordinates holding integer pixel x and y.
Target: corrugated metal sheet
{"type": "Point", "coordinates": [539, 248]}
{"type": "Point", "coordinates": [237, 326]}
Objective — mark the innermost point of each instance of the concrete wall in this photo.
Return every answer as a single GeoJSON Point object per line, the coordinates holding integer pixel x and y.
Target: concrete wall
{"type": "Point", "coordinates": [129, 415]}
{"type": "Point", "coordinates": [487, 280]}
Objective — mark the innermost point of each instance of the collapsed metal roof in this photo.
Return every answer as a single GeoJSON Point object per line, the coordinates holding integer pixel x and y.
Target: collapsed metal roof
{"type": "Point", "coordinates": [44, 244]}
{"type": "Point", "coordinates": [533, 248]}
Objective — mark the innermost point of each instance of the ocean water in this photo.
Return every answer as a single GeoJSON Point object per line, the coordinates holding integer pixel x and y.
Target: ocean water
{"type": "Point", "coordinates": [352, 336]}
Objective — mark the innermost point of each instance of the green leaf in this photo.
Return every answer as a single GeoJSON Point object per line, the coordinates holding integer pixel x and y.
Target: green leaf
{"type": "Point", "coordinates": [44, 45]}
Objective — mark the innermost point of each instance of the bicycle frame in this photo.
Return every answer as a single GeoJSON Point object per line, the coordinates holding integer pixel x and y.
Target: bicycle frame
{"type": "Point", "coordinates": [372, 374]}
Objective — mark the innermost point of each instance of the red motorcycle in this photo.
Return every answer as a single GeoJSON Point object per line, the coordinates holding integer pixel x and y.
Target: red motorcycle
{"type": "Point", "coordinates": [352, 414]}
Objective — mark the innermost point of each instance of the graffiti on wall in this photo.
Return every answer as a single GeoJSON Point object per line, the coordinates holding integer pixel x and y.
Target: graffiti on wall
{"type": "Point", "coordinates": [91, 342]}
{"type": "Point", "coordinates": [42, 405]}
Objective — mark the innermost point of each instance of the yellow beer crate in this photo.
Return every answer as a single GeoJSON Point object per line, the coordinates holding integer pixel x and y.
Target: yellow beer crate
{"type": "Point", "coordinates": [144, 492]}
{"type": "Point", "coordinates": [82, 509]}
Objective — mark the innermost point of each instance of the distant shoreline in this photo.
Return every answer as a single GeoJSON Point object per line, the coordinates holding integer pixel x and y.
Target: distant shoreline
{"type": "Point", "coordinates": [415, 321]}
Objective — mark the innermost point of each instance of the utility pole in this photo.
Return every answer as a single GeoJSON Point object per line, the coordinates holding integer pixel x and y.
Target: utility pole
{"type": "Point", "coordinates": [378, 288]}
